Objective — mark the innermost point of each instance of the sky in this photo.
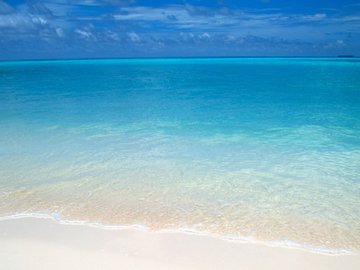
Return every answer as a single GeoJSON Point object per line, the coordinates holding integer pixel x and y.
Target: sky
{"type": "Point", "coordinates": [60, 29]}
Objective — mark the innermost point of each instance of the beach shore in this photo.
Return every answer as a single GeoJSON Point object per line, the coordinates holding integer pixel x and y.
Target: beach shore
{"type": "Point", "coordinates": [34, 243]}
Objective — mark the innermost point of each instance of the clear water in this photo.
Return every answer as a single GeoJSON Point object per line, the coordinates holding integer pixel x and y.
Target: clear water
{"type": "Point", "coordinates": [266, 149]}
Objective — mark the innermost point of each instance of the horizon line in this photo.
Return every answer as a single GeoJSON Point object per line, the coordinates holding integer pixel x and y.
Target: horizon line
{"type": "Point", "coordinates": [176, 57]}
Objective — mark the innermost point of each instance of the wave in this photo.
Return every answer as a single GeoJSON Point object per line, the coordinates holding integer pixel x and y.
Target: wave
{"type": "Point", "coordinates": [226, 237]}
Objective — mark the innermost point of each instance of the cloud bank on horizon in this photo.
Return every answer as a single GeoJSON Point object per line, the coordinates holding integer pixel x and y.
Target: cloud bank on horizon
{"type": "Point", "coordinates": [160, 28]}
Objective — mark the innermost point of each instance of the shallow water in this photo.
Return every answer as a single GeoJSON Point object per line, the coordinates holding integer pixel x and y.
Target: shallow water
{"type": "Point", "coordinates": [265, 149]}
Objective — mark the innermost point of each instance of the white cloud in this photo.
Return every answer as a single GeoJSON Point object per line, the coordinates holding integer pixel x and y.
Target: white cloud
{"type": "Point", "coordinates": [110, 35]}
{"type": "Point", "coordinates": [171, 25]}
{"type": "Point", "coordinates": [235, 21]}
{"type": "Point", "coordinates": [39, 20]}
{"type": "Point", "coordinates": [132, 36]}
{"type": "Point", "coordinates": [313, 17]}
{"type": "Point", "coordinates": [21, 21]}
{"type": "Point", "coordinates": [60, 32]}
{"type": "Point", "coordinates": [85, 34]}
{"type": "Point", "coordinates": [204, 36]}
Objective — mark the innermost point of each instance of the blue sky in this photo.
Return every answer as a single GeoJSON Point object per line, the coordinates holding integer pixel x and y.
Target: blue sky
{"type": "Point", "coordinates": [138, 28]}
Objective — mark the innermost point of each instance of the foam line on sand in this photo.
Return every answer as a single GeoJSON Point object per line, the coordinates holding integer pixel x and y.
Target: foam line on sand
{"type": "Point", "coordinates": [33, 243]}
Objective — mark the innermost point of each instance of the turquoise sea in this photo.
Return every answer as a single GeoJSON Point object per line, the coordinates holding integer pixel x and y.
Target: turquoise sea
{"type": "Point", "coordinates": [253, 149]}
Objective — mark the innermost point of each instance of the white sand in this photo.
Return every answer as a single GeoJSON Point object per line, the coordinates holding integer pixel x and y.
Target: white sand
{"type": "Point", "coordinates": [30, 243]}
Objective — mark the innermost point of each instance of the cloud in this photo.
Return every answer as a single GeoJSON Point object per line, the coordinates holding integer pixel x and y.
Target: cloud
{"type": "Point", "coordinates": [60, 32]}
{"type": "Point", "coordinates": [205, 36]}
{"type": "Point", "coordinates": [112, 36]}
{"type": "Point", "coordinates": [119, 2]}
{"type": "Point", "coordinates": [31, 21]}
{"type": "Point", "coordinates": [133, 37]}
{"type": "Point", "coordinates": [85, 34]}
{"type": "Point", "coordinates": [308, 28]}
{"type": "Point", "coordinates": [97, 2]}
{"type": "Point", "coordinates": [112, 26]}
{"type": "Point", "coordinates": [182, 16]}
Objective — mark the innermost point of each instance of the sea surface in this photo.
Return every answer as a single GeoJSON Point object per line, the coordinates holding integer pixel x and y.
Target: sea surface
{"type": "Point", "coordinates": [253, 149]}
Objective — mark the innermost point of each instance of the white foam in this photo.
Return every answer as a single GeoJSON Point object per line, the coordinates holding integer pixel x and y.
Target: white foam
{"type": "Point", "coordinates": [187, 230]}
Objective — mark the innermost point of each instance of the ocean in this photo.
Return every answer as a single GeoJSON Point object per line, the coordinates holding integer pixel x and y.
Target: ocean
{"type": "Point", "coordinates": [254, 149]}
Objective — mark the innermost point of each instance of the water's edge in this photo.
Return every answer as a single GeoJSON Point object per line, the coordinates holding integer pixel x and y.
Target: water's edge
{"type": "Point", "coordinates": [279, 244]}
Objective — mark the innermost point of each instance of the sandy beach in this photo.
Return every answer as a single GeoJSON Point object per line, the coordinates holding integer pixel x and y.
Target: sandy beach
{"type": "Point", "coordinates": [35, 243]}
{"type": "Point", "coordinates": [179, 135]}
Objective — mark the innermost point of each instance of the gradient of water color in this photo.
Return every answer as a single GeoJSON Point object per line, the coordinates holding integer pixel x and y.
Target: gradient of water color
{"type": "Point", "coordinates": [264, 149]}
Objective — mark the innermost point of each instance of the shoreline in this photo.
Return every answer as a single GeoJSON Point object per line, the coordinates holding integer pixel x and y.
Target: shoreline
{"type": "Point", "coordinates": [287, 244]}
{"type": "Point", "coordinates": [43, 243]}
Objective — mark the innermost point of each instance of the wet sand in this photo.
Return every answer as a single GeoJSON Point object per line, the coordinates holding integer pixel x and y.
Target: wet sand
{"type": "Point", "coordinates": [34, 243]}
